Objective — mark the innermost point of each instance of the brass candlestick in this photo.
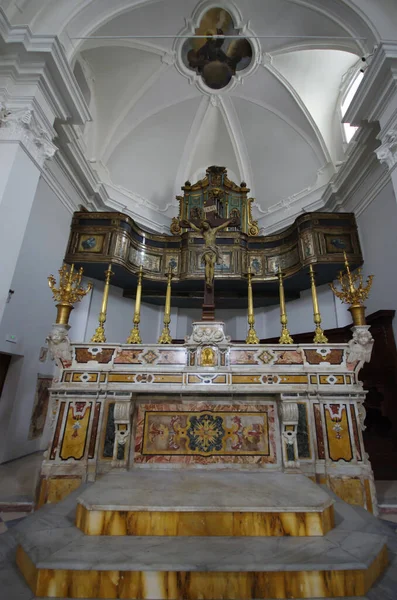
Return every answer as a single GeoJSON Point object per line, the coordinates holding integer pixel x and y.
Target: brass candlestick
{"type": "Point", "coordinates": [353, 292]}
{"type": "Point", "coordinates": [68, 292]}
{"type": "Point", "coordinates": [252, 338]}
{"type": "Point", "coordinates": [99, 335]}
{"type": "Point", "coordinates": [135, 336]}
{"type": "Point", "coordinates": [319, 335]}
{"type": "Point", "coordinates": [285, 337]}
{"type": "Point", "coordinates": [165, 337]}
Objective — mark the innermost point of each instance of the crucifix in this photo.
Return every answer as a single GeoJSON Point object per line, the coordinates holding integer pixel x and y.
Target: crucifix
{"type": "Point", "coordinates": [209, 227]}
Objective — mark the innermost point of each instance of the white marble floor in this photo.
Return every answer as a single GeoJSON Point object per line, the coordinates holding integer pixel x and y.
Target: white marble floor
{"type": "Point", "coordinates": [18, 479]}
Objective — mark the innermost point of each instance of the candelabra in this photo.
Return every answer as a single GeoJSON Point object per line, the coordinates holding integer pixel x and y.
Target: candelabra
{"type": "Point", "coordinates": [135, 336]}
{"type": "Point", "coordinates": [353, 292]}
{"type": "Point", "coordinates": [252, 338]}
{"type": "Point", "coordinates": [165, 337]}
{"type": "Point", "coordinates": [99, 335]}
{"type": "Point", "coordinates": [68, 292]}
{"type": "Point", "coordinates": [285, 337]}
{"type": "Point", "coordinates": [319, 335]}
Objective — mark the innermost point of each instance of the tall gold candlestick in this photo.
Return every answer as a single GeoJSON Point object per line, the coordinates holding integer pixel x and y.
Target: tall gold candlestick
{"type": "Point", "coordinates": [165, 337]}
{"type": "Point", "coordinates": [285, 337]}
{"type": "Point", "coordinates": [68, 291]}
{"type": "Point", "coordinates": [353, 292]}
{"type": "Point", "coordinates": [135, 336]}
{"type": "Point", "coordinates": [319, 336]}
{"type": "Point", "coordinates": [252, 338]}
{"type": "Point", "coordinates": [99, 335]}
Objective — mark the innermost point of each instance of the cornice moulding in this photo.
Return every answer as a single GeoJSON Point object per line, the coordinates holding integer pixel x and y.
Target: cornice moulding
{"type": "Point", "coordinates": [46, 49]}
{"type": "Point", "coordinates": [377, 87]}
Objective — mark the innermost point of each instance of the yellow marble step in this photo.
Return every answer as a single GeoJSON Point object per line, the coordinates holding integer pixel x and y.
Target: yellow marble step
{"type": "Point", "coordinates": [201, 502]}
{"type": "Point", "coordinates": [67, 581]}
{"type": "Point", "coordinates": [198, 523]}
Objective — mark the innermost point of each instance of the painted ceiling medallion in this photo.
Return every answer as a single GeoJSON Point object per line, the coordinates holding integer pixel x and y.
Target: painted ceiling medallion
{"type": "Point", "coordinates": [216, 59]}
{"type": "Point", "coordinates": [211, 58]}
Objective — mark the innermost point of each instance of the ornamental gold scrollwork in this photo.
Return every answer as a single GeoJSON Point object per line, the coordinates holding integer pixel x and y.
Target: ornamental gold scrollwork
{"type": "Point", "coordinates": [253, 228]}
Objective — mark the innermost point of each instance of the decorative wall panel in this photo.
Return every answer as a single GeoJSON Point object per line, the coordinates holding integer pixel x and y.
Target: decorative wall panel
{"type": "Point", "coordinates": [204, 433]}
{"type": "Point", "coordinates": [75, 431]}
{"type": "Point", "coordinates": [338, 433]}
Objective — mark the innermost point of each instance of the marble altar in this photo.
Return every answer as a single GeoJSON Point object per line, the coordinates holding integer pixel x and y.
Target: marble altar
{"type": "Point", "coordinates": [211, 404]}
{"type": "Point", "coordinates": [195, 472]}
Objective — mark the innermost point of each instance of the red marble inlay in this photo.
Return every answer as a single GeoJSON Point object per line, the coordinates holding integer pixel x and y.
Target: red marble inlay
{"type": "Point", "coordinates": [319, 432]}
{"type": "Point", "coordinates": [94, 430]}
{"type": "Point", "coordinates": [83, 355]}
{"type": "Point", "coordinates": [355, 433]}
{"type": "Point", "coordinates": [55, 443]}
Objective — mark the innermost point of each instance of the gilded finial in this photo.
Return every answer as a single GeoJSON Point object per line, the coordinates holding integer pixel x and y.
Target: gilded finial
{"type": "Point", "coordinates": [68, 292]}
{"type": "Point", "coordinates": [353, 291]}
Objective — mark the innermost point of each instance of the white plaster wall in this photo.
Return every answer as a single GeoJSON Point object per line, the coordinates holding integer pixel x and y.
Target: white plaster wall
{"type": "Point", "coordinates": [377, 227]}
{"type": "Point", "coordinates": [29, 316]}
{"type": "Point", "coordinates": [300, 315]}
{"type": "Point", "coordinates": [267, 320]}
{"type": "Point", "coordinates": [120, 313]}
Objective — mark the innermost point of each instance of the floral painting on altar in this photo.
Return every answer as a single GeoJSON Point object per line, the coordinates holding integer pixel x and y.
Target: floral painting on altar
{"type": "Point", "coordinates": [205, 433]}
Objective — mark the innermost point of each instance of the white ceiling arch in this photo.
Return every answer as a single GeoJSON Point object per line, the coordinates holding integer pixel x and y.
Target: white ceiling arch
{"type": "Point", "coordinates": [268, 130]}
{"type": "Point", "coordinates": [218, 127]}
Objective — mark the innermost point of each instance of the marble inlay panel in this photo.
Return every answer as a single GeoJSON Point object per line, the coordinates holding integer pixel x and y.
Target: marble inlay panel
{"type": "Point", "coordinates": [76, 429]}
{"type": "Point", "coordinates": [332, 356]}
{"type": "Point", "coordinates": [205, 433]}
{"type": "Point", "coordinates": [130, 357]}
{"type": "Point", "coordinates": [303, 438]}
{"type": "Point", "coordinates": [338, 433]}
{"type": "Point", "coordinates": [99, 355]}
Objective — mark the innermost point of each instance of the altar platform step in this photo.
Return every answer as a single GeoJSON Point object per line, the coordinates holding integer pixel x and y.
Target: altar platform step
{"type": "Point", "coordinates": [59, 561]}
{"type": "Point", "coordinates": [204, 503]}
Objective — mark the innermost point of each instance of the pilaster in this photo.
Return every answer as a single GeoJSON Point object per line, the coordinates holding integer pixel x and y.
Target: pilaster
{"type": "Point", "coordinates": [37, 86]}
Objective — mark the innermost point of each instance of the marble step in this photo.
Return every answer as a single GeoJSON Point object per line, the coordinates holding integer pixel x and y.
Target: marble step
{"type": "Point", "coordinates": [57, 559]}
{"type": "Point", "coordinates": [203, 502]}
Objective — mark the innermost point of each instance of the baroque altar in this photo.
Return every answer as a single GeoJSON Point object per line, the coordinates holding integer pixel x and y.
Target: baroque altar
{"type": "Point", "coordinates": [188, 470]}
{"type": "Point", "coordinates": [191, 471]}
{"type": "Point", "coordinates": [213, 403]}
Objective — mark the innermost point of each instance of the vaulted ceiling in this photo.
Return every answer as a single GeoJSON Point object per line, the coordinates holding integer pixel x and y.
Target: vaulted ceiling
{"type": "Point", "coordinates": [155, 125]}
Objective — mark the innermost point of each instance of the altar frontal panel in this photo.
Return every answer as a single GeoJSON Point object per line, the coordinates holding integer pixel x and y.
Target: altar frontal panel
{"type": "Point", "coordinates": [205, 433]}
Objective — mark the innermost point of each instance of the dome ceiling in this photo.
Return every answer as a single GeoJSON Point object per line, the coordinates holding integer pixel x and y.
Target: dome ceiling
{"type": "Point", "coordinates": [274, 123]}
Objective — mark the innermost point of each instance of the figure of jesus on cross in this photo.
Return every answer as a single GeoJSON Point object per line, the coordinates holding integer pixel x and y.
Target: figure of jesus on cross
{"type": "Point", "coordinates": [208, 228]}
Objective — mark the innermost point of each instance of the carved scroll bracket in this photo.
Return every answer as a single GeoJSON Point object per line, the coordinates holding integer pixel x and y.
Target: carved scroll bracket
{"type": "Point", "coordinates": [122, 440]}
{"type": "Point", "coordinates": [387, 152]}
{"type": "Point", "coordinates": [21, 125]}
{"type": "Point", "coordinates": [289, 415]}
